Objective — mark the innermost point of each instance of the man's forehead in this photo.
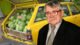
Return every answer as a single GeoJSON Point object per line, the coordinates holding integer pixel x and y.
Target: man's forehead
{"type": "Point", "coordinates": [54, 7]}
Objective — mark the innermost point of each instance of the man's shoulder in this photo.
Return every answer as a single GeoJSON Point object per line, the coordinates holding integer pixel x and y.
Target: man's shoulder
{"type": "Point", "coordinates": [44, 28]}
{"type": "Point", "coordinates": [71, 25]}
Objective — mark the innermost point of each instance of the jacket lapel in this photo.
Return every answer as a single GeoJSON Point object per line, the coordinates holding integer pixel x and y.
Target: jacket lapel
{"type": "Point", "coordinates": [60, 36]}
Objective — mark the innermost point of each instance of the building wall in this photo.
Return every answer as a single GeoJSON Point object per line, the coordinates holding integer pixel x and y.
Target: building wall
{"type": "Point", "coordinates": [5, 6]}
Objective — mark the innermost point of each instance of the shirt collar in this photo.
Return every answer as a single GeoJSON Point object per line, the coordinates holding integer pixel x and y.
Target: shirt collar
{"type": "Point", "coordinates": [56, 26]}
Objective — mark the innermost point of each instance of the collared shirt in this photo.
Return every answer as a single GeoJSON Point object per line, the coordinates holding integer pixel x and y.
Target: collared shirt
{"type": "Point", "coordinates": [55, 30]}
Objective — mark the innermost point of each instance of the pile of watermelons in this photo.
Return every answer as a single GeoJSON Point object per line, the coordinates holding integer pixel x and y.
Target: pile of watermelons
{"type": "Point", "coordinates": [19, 20]}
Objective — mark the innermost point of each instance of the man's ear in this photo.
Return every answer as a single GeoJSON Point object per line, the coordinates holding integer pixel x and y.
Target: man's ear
{"type": "Point", "coordinates": [62, 13]}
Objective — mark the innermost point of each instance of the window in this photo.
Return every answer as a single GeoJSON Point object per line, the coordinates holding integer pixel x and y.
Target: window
{"type": "Point", "coordinates": [40, 14]}
{"type": "Point", "coordinates": [66, 11]}
{"type": "Point", "coordinates": [74, 9]}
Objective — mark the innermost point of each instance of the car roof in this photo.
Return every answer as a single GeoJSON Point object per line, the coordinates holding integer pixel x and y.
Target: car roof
{"type": "Point", "coordinates": [63, 3]}
{"type": "Point", "coordinates": [66, 2]}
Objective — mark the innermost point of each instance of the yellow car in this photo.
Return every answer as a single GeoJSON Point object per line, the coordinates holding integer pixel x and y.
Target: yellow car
{"type": "Point", "coordinates": [31, 18]}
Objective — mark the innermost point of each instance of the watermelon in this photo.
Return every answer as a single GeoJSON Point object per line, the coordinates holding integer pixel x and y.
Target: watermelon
{"type": "Point", "coordinates": [20, 25]}
{"type": "Point", "coordinates": [11, 24]}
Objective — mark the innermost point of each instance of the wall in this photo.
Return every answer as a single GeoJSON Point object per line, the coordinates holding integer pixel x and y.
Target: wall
{"type": "Point", "coordinates": [5, 6]}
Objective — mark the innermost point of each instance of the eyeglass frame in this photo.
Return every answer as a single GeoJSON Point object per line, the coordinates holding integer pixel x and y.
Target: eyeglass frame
{"type": "Point", "coordinates": [53, 12]}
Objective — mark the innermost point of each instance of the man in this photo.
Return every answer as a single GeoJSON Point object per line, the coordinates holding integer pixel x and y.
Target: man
{"type": "Point", "coordinates": [64, 33]}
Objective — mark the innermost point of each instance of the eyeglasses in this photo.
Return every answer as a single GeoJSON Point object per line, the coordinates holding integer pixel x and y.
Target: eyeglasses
{"type": "Point", "coordinates": [53, 12]}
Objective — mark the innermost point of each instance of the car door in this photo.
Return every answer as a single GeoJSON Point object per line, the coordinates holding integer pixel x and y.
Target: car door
{"type": "Point", "coordinates": [67, 15]}
{"type": "Point", "coordinates": [39, 21]}
{"type": "Point", "coordinates": [75, 14]}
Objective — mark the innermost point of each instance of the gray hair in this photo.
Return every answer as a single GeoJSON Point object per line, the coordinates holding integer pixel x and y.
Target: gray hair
{"type": "Point", "coordinates": [54, 3]}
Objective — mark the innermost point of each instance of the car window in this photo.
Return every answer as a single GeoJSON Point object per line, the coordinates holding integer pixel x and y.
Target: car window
{"type": "Point", "coordinates": [19, 19]}
{"type": "Point", "coordinates": [66, 11]}
{"type": "Point", "coordinates": [40, 14]}
{"type": "Point", "coordinates": [74, 9]}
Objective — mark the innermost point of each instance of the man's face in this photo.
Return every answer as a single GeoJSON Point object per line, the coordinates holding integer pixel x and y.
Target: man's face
{"type": "Point", "coordinates": [53, 14]}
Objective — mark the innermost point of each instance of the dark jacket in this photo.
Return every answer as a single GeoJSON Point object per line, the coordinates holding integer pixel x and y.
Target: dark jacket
{"type": "Point", "coordinates": [68, 34]}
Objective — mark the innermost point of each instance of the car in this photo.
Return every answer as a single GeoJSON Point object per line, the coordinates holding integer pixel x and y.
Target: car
{"type": "Point", "coordinates": [31, 18]}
